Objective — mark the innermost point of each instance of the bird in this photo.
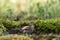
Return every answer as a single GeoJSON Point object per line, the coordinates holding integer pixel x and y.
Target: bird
{"type": "Point", "coordinates": [29, 28]}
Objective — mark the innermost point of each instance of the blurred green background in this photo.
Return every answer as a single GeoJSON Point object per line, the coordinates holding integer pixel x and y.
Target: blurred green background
{"type": "Point", "coordinates": [28, 10]}
{"type": "Point", "coordinates": [40, 9]}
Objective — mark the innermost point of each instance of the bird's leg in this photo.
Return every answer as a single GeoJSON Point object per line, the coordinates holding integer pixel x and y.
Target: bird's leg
{"type": "Point", "coordinates": [24, 31]}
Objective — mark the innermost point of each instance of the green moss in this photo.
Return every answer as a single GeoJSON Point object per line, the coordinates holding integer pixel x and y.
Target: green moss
{"type": "Point", "coordinates": [51, 25]}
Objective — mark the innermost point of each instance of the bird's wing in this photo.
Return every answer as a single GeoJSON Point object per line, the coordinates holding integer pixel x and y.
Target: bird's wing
{"type": "Point", "coordinates": [25, 27]}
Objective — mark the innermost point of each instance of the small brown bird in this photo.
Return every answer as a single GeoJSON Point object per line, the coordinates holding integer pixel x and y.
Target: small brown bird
{"type": "Point", "coordinates": [29, 28]}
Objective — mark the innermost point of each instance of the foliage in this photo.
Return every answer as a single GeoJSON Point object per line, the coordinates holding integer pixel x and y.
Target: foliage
{"type": "Point", "coordinates": [15, 37]}
{"type": "Point", "coordinates": [50, 9]}
{"type": "Point", "coordinates": [36, 10]}
{"type": "Point", "coordinates": [9, 23]}
{"type": "Point", "coordinates": [50, 25]}
{"type": "Point", "coordinates": [2, 29]}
